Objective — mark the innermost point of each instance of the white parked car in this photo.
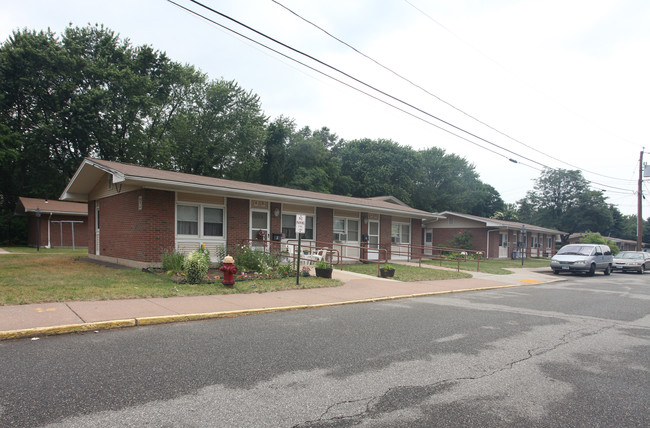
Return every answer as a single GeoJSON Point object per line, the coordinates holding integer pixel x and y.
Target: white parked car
{"type": "Point", "coordinates": [586, 258]}
{"type": "Point", "coordinates": [636, 261]}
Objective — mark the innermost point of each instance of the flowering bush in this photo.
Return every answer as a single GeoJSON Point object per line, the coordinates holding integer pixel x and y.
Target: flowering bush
{"type": "Point", "coordinates": [196, 265]}
{"type": "Point", "coordinates": [305, 271]}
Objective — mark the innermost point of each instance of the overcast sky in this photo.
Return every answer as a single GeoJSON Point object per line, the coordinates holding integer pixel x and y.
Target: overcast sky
{"type": "Point", "coordinates": [561, 83]}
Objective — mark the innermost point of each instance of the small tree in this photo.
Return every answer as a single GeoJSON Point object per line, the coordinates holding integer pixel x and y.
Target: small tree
{"type": "Point", "coordinates": [596, 238]}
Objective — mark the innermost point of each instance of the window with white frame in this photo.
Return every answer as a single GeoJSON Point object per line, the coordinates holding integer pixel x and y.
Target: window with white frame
{"type": "Point", "coordinates": [346, 229]}
{"type": "Point", "coordinates": [259, 223]}
{"type": "Point", "coordinates": [289, 227]}
{"type": "Point", "coordinates": [401, 233]}
{"type": "Point", "coordinates": [199, 221]}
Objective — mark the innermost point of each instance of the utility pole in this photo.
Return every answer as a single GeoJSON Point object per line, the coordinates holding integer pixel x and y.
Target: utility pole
{"type": "Point", "coordinates": [639, 216]}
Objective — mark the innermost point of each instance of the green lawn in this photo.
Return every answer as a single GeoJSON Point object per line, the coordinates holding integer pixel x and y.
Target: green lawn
{"type": "Point", "coordinates": [408, 273]}
{"type": "Point", "coordinates": [493, 266]}
{"type": "Point", "coordinates": [63, 275]}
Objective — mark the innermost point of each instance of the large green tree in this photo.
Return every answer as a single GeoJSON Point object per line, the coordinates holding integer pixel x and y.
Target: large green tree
{"type": "Point", "coordinates": [562, 200]}
{"type": "Point", "coordinates": [278, 134]}
{"type": "Point", "coordinates": [311, 165]}
{"type": "Point", "coordinates": [218, 131]}
{"type": "Point", "coordinates": [89, 93]}
{"type": "Point", "coordinates": [447, 182]}
{"type": "Point", "coordinates": [379, 168]}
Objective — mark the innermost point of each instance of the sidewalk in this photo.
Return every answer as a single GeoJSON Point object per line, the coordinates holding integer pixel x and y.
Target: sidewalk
{"type": "Point", "coordinates": [32, 320]}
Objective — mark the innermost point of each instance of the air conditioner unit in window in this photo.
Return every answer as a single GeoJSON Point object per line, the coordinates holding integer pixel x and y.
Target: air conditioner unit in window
{"type": "Point", "coordinates": [340, 237]}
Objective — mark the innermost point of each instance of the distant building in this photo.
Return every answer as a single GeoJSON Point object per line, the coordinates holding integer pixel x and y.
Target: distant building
{"type": "Point", "coordinates": [497, 239]}
{"type": "Point", "coordinates": [61, 224]}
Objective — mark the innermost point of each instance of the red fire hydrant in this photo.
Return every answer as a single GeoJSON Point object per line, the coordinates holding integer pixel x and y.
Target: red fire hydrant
{"type": "Point", "coordinates": [229, 270]}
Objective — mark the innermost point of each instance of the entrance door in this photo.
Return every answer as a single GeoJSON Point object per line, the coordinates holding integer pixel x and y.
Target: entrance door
{"type": "Point", "coordinates": [401, 240]}
{"type": "Point", "coordinates": [373, 240]}
{"type": "Point", "coordinates": [259, 228]}
{"type": "Point", "coordinates": [96, 228]}
{"type": "Point", "coordinates": [503, 245]}
{"type": "Point", "coordinates": [346, 233]}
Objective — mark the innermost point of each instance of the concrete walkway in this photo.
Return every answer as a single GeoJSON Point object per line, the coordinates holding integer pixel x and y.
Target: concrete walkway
{"type": "Point", "coordinates": [34, 320]}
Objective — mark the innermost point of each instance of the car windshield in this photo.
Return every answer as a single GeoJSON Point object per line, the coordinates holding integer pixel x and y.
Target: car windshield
{"type": "Point", "coordinates": [578, 250]}
{"type": "Point", "coordinates": [629, 255]}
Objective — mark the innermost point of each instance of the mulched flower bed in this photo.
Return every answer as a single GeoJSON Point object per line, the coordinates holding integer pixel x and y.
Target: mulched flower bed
{"type": "Point", "coordinates": [216, 276]}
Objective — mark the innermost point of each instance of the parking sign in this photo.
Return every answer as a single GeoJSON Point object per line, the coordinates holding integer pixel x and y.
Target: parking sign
{"type": "Point", "coordinates": [301, 220]}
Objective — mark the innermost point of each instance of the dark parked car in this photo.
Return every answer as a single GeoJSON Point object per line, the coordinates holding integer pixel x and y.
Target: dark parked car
{"type": "Point", "coordinates": [636, 261]}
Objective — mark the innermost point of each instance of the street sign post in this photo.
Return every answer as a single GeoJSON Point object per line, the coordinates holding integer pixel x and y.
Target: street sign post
{"type": "Point", "coordinates": [301, 221]}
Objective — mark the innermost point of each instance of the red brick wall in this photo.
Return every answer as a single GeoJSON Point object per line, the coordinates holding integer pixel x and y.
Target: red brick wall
{"type": "Point", "coordinates": [324, 224]}
{"type": "Point", "coordinates": [238, 222]}
{"type": "Point", "coordinates": [364, 231]}
{"type": "Point", "coordinates": [80, 231]}
{"type": "Point", "coordinates": [493, 253]}
{"type": "Point", "coordinates": [275, 224]}
{"type": "Point", "coordinates": [385, 234]}
{"type": "Point", "coordinates": [140, 235]}
{"type": "Point", "coordinates": [91, 227]}
{"type": "Point", "coordinates": [416, 238]}
{"type": "Point", "coordinates": [479, 237]}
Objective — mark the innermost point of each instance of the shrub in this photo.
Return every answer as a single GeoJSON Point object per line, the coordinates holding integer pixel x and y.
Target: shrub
{"type": "Point", "coordinates": [462, 240]}
{"type": "Point", "coordinates": [196, 266]}
{"type": "Point", "coordinates": [172, 263]}
{"type": "Point", "coordinates": [256, 260]}
{"type": "Point", "coordinates": [321, 264]}
{"type": "Point", "coordinates": [285, 271]}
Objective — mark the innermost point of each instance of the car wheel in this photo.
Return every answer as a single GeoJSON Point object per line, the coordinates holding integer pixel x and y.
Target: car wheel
{"type": "Point", "coordinates": [642, 270]}
{"type": "Point", "coordinates": [556, 272]}
{"type": "Point", "coordinates": [608, 270]}
{"type": "Point", "coordinates": [592, 270]}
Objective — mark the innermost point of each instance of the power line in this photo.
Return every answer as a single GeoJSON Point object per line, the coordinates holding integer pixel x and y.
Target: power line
{"type": "Point", "coordinates": [434, 95]}
{"type": "Point", "coordinates": [346, 84]}
{"type": "Point", "coordinates": [364, 84]}
{"type": "Point", "coordinates": [506, 69]}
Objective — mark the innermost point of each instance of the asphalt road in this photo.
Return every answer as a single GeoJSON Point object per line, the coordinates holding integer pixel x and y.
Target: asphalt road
{"type": "Point", "coordinates": [574, 353]}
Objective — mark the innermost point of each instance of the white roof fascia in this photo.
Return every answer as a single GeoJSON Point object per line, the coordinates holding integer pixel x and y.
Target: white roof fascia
{"type": "Point", "coordinates": [65, 195]}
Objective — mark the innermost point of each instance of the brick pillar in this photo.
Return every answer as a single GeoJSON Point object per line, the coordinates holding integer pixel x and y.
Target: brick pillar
{"type": "Point", "coordinates": [238, 222]}
{"type": "Point", "coordinates": [275, 224]}
{"type": "Point", "coordinates": [416, 238]}
{"type": "Point", "coordinates": [364, 231]}
{"type": "Point", "coordinates": [91, 227]}
{"type": "Point", "coordinates": [385, 233]}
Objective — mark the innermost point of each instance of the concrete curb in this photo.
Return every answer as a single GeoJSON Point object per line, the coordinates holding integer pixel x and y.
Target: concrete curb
{"type": "Point", "coordinates": [63, 329]}
{"type": "Point", "coordinates": [167, 319]}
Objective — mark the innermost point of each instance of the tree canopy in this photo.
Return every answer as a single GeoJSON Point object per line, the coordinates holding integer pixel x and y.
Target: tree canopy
{"type": "Point", "coordinates": [89, 93]}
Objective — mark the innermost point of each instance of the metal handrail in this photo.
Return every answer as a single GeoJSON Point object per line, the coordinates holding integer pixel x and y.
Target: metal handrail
{"type": "Point", "coordinates": [340, 258]}
{"type": "Point", "coordinates": [437, 253]}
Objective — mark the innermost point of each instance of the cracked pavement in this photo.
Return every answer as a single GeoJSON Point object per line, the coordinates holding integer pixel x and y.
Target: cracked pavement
{"type": "Point", "coordinates": [567, 354]}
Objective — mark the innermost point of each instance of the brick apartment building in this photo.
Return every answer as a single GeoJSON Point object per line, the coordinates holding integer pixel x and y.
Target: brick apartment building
{"type": "Point", "coordinates": [136, 214]}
